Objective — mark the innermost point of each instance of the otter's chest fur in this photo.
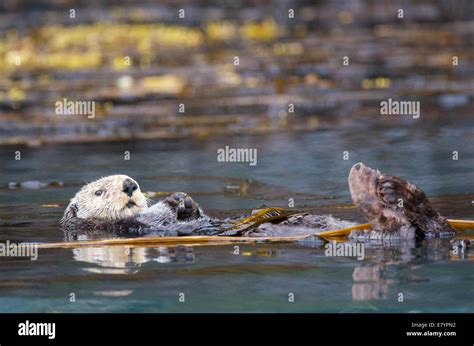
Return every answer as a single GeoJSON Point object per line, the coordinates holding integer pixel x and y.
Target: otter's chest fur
{"type": "Point", "coordinates": [159, 220]}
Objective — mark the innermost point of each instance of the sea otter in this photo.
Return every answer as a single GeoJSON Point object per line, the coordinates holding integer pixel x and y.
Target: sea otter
{"type": "Point", "coordinates": [116, 205]}
{"type": "Point", "coordinates": [394, 206]}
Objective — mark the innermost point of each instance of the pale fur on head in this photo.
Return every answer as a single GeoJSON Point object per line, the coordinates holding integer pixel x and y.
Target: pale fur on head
{"type": "Point", "coordinates": [111, 204]}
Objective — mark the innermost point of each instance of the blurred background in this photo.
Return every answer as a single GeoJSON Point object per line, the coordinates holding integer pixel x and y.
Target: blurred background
{"type": "Point", "coordinates": [138, 60]}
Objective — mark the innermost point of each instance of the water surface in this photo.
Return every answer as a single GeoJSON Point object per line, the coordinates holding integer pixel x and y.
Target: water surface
{"type": "Point", "coordinates": [307, 167]}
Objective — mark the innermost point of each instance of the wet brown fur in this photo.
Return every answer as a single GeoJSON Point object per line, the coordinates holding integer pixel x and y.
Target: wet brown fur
{"type": "Point", "coordinates": [393, 204]}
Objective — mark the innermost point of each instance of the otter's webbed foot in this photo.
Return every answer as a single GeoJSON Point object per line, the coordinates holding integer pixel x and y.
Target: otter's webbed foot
{"type": "Point", "coordinates": [184, 206]}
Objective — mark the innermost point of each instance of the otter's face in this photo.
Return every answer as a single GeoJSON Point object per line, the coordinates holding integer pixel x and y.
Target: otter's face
{"type": "Point", "coordinates": [362, 183]}
{"type": "Point", "coordinates": [109, 198]}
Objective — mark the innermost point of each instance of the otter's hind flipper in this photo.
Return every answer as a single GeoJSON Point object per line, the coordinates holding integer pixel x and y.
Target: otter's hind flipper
{"type": "Point", "coordinates": [414, 203]}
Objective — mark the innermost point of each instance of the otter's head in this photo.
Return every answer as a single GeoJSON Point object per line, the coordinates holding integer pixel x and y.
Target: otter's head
{"type": "Point", "coordinates": [109, 198]}
{"type": "Point", "coordinates": [362, 182]}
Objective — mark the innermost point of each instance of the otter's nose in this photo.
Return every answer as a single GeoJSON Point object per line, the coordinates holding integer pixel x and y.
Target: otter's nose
{"type": "Point", "coordinates": [129, 186]}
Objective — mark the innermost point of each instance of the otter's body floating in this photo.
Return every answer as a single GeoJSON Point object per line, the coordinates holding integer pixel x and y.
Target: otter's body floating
{"type": "Point", "coordinates": [336, 235]}
{"type": "Point", "coordinates": [115, 206]}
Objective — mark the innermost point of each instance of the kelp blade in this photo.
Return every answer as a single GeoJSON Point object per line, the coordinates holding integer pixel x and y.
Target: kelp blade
{"type": "Point", "coordinates": [460, 225]}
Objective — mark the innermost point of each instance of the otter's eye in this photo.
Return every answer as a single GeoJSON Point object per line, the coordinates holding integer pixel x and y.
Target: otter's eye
{"type": "Point", "coordinates": [98, 192]}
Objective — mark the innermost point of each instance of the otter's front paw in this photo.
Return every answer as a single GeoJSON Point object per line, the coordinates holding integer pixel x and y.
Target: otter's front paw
{"type": "Point", "coordinates": [186, 208]}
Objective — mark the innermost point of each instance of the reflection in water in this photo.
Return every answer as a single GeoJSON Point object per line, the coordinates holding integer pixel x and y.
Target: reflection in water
{"type": "Point", "coordinates": [369, 283]}
{"type": "Point", "coordinates": [385, 268]}
{"type": "Point", "coordinates": [373, 278]}
{"type": "Point", "coordinates": [386, 265]}
{"type": "Point", "coordinates": [432, 274]}
{"type": "Point", "coordinates": [127, 260]}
